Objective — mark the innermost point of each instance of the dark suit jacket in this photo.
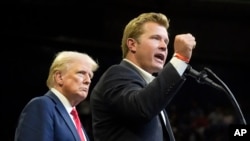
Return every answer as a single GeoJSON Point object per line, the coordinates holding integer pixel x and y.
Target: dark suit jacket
{"type": "Point", "coordinates": [123, 109]}
{"type": "Point", "coordinates": [45, 119]}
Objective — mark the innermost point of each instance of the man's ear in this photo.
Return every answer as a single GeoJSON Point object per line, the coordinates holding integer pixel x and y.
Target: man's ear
{"type": "Point", "coordinates": [58, 78]}
{"type": "Point", "coordinates": [131, 43]}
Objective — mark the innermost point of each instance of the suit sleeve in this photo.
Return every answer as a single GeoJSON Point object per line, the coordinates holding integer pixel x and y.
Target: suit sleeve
{"type": "Point", "coordinates": [127, 94]}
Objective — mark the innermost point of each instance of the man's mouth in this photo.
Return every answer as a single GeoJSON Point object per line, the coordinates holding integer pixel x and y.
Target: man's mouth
{"type": "Point", "coordinates": [160, 57]}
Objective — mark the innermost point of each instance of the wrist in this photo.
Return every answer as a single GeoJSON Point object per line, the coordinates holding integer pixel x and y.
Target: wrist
{"type": "Point", "coordinates": [181, 57]}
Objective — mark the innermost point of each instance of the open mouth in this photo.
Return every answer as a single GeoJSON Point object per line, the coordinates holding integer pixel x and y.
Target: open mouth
{"type": "Point", "coordinates": [160, 57]}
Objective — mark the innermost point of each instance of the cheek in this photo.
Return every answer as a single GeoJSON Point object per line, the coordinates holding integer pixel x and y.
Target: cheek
{"type": "Point", "coordinates": [166, 54]}
{"type": "Point", "coordinates": [146, 49]}
{"type": "Point", "coordinates": [73, 81]}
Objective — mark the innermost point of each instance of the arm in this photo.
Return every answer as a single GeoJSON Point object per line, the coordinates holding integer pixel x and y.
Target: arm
{"type": "Point", "coordinates": [126, 94]}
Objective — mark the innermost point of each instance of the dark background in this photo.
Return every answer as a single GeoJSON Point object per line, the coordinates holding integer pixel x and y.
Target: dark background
{"type": "Point", "coordinates": [33, 31]}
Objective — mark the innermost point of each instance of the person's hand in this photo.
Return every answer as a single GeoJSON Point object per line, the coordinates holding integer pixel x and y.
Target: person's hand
{"type": "Point", "coordinates": [184, 44]}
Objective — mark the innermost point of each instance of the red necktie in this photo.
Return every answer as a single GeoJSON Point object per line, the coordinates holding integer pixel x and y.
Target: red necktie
{"type": "Point", "coordinates": [78, 123]}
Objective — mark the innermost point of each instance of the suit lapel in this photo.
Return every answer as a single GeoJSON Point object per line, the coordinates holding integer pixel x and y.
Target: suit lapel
{"type": "Point", "coordinates": [128, 65]}
{"type": "Point", "coordinates": [167, 130]}
{"type": "Point", "coordinates": [64, 114]}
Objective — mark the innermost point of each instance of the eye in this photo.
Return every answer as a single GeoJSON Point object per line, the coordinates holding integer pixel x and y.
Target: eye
{"type": "Point", "coordinates": [166, 41]}
{"type": "Point", "coordinates": [91, 75]}
{"type": "Point", "coordinates": [81, 73]}
{"type": "Point", "coordinates": [84, 73]}
{"type": "Point", "coordinates": [156, 37]}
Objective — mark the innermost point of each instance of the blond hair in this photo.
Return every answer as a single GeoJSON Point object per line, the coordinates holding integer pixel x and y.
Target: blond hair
{"type": "Point", "coordinates": [135, 27]}
{"type": "Point", "coordinates": [63, 59]}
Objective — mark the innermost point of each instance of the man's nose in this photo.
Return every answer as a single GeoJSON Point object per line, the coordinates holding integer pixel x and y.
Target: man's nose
{"type": "Point", "coordinates": [163, 45]}
{"type": "Point", "coordinates": [87, 79]}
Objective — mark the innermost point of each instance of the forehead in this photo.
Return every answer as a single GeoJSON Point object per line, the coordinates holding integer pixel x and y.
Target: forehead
{"type": "Point", "coordinates": [82, 65]}
{"type": "Point", "coordinates": [154, 27]}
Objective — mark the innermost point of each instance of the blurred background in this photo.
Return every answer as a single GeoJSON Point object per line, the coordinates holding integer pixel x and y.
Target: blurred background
{"type": "Point", "coordinates": [34, 31]}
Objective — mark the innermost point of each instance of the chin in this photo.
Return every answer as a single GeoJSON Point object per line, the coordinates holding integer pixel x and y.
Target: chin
{"type": "Point", "coordinates": [158, 69]}
{"type": "Point", "coordinates": [83, 95]}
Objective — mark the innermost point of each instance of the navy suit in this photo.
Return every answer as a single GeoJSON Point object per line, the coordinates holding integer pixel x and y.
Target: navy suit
{"type": "Point", "coordinates": [45, 119]}
{"type": "Point", "coordinates": [123, 109]}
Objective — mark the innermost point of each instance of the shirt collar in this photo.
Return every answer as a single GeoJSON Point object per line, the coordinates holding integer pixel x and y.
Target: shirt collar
{"type": "Point", "coordinates": [63, 99]}
{"type": "Point", "coordinates": [146, 76]}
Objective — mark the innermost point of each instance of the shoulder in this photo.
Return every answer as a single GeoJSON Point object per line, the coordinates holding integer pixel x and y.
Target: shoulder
{"type": "Point", "coordinates": [40, 104]}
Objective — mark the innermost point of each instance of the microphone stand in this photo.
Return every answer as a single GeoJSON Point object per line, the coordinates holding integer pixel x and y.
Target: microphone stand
{"type": "Point", "coordinates": [201, 79]}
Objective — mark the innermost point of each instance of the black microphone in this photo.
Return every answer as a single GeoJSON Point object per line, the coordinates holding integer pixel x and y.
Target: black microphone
{"type": "Point", "coordinates": [202, 78]}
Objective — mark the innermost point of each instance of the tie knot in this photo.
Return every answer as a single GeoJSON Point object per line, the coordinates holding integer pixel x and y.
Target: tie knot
{"type": "Point", "coordinates": [74, 112]}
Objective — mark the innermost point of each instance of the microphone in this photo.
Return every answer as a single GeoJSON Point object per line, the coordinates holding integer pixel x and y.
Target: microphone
{"type": "Point", "coordinates": [202, 78]}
